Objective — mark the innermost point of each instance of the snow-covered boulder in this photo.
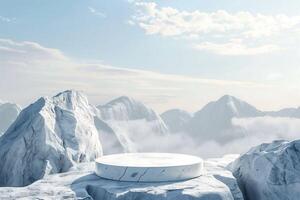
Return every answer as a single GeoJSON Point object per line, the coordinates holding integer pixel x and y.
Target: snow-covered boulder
{"type": "Point", "coordinates": [81, 183]}
{"type": "Point", "coordinates": [270, 171]}
{"type": "Point", "coordinates": [48, 137]}
{"type": "Point", "coordinates": [176, 120]}
{"type": "Point", "coordinates": [8, 114]}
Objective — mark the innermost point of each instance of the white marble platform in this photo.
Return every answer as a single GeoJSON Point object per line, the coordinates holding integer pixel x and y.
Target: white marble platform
{"type": "Point", "coordinates": [149, 167]}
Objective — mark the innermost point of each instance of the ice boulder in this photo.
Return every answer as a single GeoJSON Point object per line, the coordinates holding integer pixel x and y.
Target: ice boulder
{"type": "Point", "coordinates": [270, 171]}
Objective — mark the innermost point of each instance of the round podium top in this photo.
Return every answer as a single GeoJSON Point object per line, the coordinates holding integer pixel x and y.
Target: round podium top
{"type": "Point", "coordinates": [148, 160]}
{"type": "Point", "coordinates": [149, 167]}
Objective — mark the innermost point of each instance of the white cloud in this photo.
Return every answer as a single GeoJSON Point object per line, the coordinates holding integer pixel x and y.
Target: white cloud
{"type": "Point", "coordinates": [255, 131]}
{"type": "Point", "coordinates": [168, 21]}
{"type": "Point", "coordinates": [6, 19]}
{"type": "Point", "coordinates": [10, 49]}
{"type": "Point", "coordinates": [235, 47]}
{"type": "Point", "coordinates": [275, 76]}
{"type": "Point", "coordinates": [96, 12]}
{"type": "Point", "coordinates": [29, 70]}
{"type": "Point", "coordinates": [216, 30]}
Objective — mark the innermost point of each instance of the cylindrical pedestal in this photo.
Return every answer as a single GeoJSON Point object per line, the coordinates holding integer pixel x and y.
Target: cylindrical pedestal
{"type": "Point", "coordinates": [149, 167]}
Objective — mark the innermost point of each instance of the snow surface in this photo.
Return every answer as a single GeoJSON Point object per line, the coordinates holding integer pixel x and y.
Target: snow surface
{"type": "Point", "coordinates": [270, 171]}
{"type": "Point", "coordinates": [8, 114]}
{"type": "Point", "coordinates": [49, 136]}
{"type": "Point", "coordinates": [81, 183]}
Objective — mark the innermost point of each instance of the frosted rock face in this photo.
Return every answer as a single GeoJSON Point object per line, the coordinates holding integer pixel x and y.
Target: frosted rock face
{"type": "Point", "coordinates": [81, 183]}
{"type": "Point", "coordinates": [130, 122]}
{"type": "Point", "coordinates": [270, 171]}
{"type": "Point", "coordinates": [149, 167]}
{"type": "Point", "coordinates": [176, 120]}
{"type": "Point", "coordinates": [48, 137]}
{"type": "Point", "coordinates": [8, 114]}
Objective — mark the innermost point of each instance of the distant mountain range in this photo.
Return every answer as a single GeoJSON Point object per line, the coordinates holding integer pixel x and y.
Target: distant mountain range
{"type": "Point", "coordinates": [8, 114]}
{"type": "Point", "coordinates": [52, 134]}
{"type": "Point", "coordinates": [214, 120]}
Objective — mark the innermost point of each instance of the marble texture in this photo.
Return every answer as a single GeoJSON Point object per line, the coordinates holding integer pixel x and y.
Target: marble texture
{"type": "Point", "coordinates": [149, 167]}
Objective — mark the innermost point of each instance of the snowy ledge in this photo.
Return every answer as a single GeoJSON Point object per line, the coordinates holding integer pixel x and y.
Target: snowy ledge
{"type": "Point", "coordinates": [80, 182]}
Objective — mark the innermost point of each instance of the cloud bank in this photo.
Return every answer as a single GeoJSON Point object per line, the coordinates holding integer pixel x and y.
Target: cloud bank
{"type": "Point", "coordinates": [254, 132]}
{"type": "Point", "coordinates": [240, 33]}
{"type": "Point", "coordinates": [29, 70]}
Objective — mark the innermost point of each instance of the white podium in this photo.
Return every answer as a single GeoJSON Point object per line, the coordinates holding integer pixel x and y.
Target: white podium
{"type": "Point", "coordinates": [149, 167]}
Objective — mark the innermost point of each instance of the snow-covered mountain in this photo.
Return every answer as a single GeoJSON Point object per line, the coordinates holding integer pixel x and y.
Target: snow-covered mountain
{"type": "Point", "coordinates": [176, 120]}
{"type": "Point", "coordinates": [8, 114]}
{"type": "Point", "coordinates": [131, 122]}
{"type": "Point", "coordinates": [214, 121]}
{"type": "Point", "coordinates": [126, 108]}
{"type": "Point", "coordinates": [286, 112]}
{"type": "Point", "coordinates": [270, 171]}
{"type": "Point", "coordinates": [48, 137]}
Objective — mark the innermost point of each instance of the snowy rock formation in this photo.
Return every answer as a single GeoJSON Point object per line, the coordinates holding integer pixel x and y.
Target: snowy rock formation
{"type": "Point", "coordinates": [48, 137]}
{"type": "Point", "coordinates": [176, 120]}
{"type": "Point", "coordinates": [270, 171]}
{"type": "Point", "coordinates": [8, 114]}
{"type": "Point", "coordinates": [81, 183]}
{"type": "Point", "coordinates": [130, 122]}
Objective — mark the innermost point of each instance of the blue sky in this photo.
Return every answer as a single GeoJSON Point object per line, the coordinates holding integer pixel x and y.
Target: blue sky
{"type": "Point", "coordinates": [247, 41]}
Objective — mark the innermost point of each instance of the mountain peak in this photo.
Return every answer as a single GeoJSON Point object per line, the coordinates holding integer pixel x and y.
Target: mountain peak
{"type": "Point", "coordinates": [69, 99]}
{"type": "Point", "coordinates": [126, 108]}
{"type": "Point", "coordinates": [53, 134]}
{"type": "Point", "coordinates": [122, 99]}
{"type": "Point", "coordinates": [228, 98]}
{"type": "Point", "coordinates": [68, 93]}
{"type": "Point", "coordinates": [231, 105]}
